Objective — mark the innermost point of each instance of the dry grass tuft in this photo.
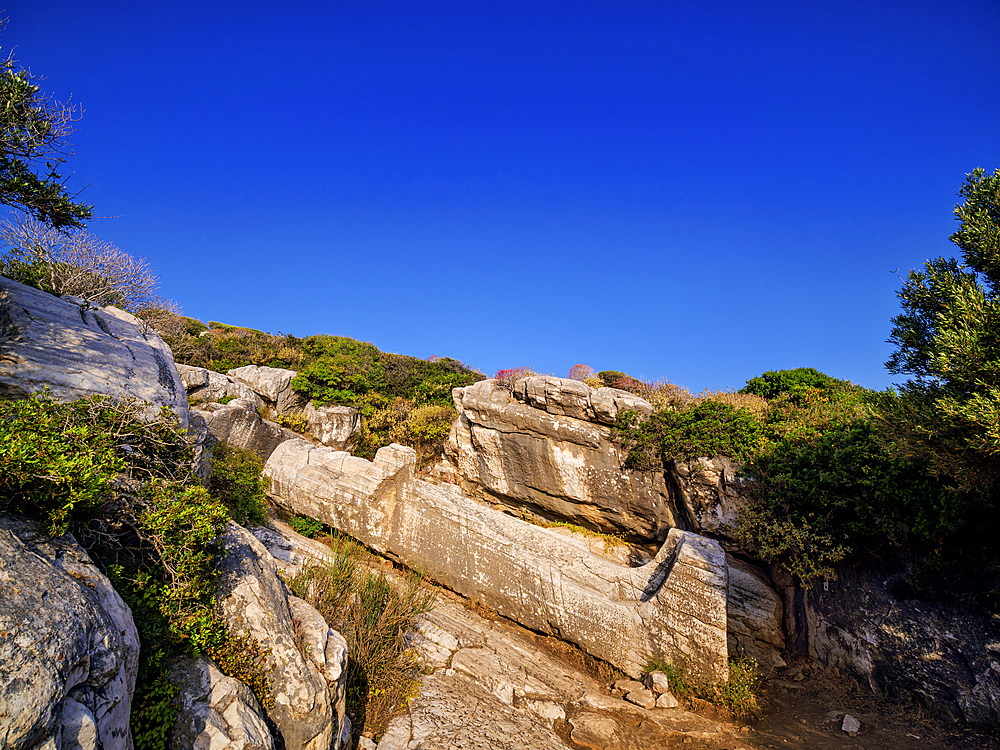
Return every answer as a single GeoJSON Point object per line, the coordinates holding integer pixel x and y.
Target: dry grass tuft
{"type": "Point", "coordinates": [374, 614]}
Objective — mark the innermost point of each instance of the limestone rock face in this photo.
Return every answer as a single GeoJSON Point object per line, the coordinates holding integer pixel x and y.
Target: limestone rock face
{"type": "Point", "coordinates": [707, 491]}
{"type": "Point", "coordinates": [943, 654]}
{"type": "Point", "coordinates": [325, 648]}
{"type": "Point", "coordinates": [755, 614]}
{"type": "Point", "coordinates": [252, 598]}
{"type": "Point", "coordinates": [563, 397]}
{"type": "Point", "coordinates": [674, 605]}
{"type": "Point", "coordinates": [332, 425]}
{"type": "Point", "coordinates": [214, 711]}
{"type": "Point", "coordinates": [68, 647]}
{"type": "Point", "coordinates": [77, 349]}
{"type": "Point", "coordinates": [238, 423]}
{"type": "Point", "coordinates": [547, 448]}
{"type": "Point", "coordinates": [206, 386]}
{"type": "Point", "coordinates": [273, 384]}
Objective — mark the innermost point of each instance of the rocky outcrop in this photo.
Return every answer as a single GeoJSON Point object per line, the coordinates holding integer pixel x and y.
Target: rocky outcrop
{"type": "Point", "coordinates": [77, 349]}
{"type": "Point", "coordinates": [755, 615]}
{"type": "Point", "coordinates": [489, 683]}
{"type": "Point", "coordinates": [250, 391]}
{"type": "Point", "coordinates": [674, 605]}
{"type": "Point", "coordinates": [945, 655]}
{"type": "Point", "coordinates": [273, 384]}
{"type": "Point", "coordinates": [207, 386]}
{"type": "Point", "coordinates": [215, 711]}
{"type": "Point", "coordinates": [252, 599]}
{"type": "Point", "coordinates": [238, 423]}
{"type": "Point", "coordinates": [546, 448]}
{"type": "Point", "coordinates": [706, 489]}
{"type": "Point", "coordinates": [68, 647]}
{"type": "Point", "coordinates": [332, 426]}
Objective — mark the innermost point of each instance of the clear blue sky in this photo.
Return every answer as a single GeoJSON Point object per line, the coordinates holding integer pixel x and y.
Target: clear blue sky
{"type": "Point", "coordinates": [691, 191]}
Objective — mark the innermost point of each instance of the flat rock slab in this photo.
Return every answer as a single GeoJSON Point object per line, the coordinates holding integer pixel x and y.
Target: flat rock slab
{"type": "Point", "coordinates": [493, 684]}
{"type": "Point", "coordinates": [455, 712]}
{"type": "Point", "coordinates": [495, 666]}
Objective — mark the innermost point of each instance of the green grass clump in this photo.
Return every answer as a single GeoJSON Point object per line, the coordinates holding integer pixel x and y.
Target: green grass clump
{"type": "Point", "coordinates": [374, 615]}
{"type": "Point", "coordinates": [740, 694]}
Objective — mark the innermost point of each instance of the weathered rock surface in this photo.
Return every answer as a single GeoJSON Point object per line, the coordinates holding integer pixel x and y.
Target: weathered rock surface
{"type": "Point", "coordinates": [548, 453]}
{"type": "Point", "coordinates": [68, 647]}
{"type": "Point", "coordinates": [674, 606]}
{"type": "Point", "coordinates": [215, 712]}
{"type": "Point", "coordinates": [572, 398]}
{"type": "Point", "coordinates": [755, 614]}
{"type": "Point", "coordinates": [238, 423]}
{"type": "Point", "coordinates": [207, 386]}
{"type": "Point", "coordinates": [707, 492]}
{"type": "Point", "coordinates": [500, 677]}
{"type": "Point", "coordinates": [489, 673]}
{"type": "Point", "coordinates": [332, 425]}
{"type": "Point", "coordinates": [325, 648]}
{"type": "Point", "coordinates": [77, 349]}
{"type": "Point", "coordinates": [273, 384]}
{"type": "Point", "coordinates": [945, 655]}
{"type": "Point", "coordinates": [451, 712]}
{"type": "Point", "coordinates": [252, 598]}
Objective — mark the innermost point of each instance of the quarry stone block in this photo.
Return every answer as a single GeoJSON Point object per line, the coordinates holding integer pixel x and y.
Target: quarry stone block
{"type": "Point", "coordinates": [673, 606]}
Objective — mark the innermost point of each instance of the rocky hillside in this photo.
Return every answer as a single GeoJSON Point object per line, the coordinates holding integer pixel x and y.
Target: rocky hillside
{"type": "Point", "coordinates": [529, 508]}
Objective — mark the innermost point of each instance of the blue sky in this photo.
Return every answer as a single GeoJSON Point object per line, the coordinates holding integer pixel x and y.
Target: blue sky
{"type": "Point", "coordinates": [698, 192]}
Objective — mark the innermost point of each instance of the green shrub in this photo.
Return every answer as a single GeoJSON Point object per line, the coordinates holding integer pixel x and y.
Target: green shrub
{"type": "Point", "coordinates": [237, 483]}
{"type": "Point", "coordinates": [59, 461]}
{"type": "Point", "coordinates": [56, 461]}
{"type": "Point", "coordinates": [423, 428]}
{"type": "Point", "coordinates": [738, 695]}
{"type": "Point", "coordinates": [307, 527]}
{"type": "Point", "coordinates": [774, 383]}
{"type": "Point", "coordinates": [124, 484]}
{"type": "Point", "coordinates": [339, 370]}
{"type": "Point", "coordinates": [680, 687]}
{"type": "Point", "coordinates": [221, 347]}
{"type": "Point", "coordinates": [345, 371]}
{"type": "Point", "coordinates": [708, 429]}
{"type": "Point", "coordinates": [294, 421]}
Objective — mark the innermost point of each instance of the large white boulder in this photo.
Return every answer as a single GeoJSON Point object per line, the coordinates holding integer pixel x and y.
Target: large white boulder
{"type": "Point", "coordinates": [273, 384]}
{"type": "Point", "coordinates": [546, 449]}
{"type": "Point", "coordinates": [206, 386]}
{"type": "Point", "coordinates": [673, 606]}
{"type": "Point", "coordinates": [215, 711]}
{"type": "Point", "coordinates": [76, 349]}
{"type": "Point", "coordinates": [68, 646]}
{"type": "Point", "coordinates": [252, 599]}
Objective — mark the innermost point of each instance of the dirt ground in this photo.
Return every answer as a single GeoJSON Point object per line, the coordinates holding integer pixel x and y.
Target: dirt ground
{"type": "Point", "coordinates": [808, 713]}
{"type": "Point", "coordinates": [804, 709]}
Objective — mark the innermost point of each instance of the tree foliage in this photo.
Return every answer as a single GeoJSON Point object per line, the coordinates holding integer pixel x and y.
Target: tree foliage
{"type": "Point", "coordinates": [947, 339]}
{"type": "Point", "coordinates": [774, 383]}
{"type": "Point", "coordinates": [34, 133]}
